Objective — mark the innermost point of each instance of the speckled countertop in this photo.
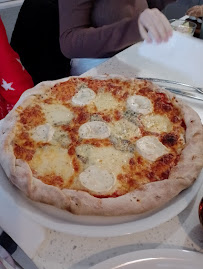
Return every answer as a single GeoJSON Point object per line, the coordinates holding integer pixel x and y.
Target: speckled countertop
{"type": "Point", "coordinates": [63, 251]}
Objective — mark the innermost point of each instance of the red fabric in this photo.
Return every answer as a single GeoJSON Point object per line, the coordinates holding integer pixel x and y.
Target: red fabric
{"type": "Point", "coordinates": [3, 108]}
{"type": "Point", "coordinates": [14, 79]}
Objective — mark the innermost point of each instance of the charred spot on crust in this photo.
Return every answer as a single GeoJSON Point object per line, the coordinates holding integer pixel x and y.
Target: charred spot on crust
{"type": "Point", "coordinates": [145, 91]}
{"type": "Point", "coordinates": [157, 197]}
{"type": "Point", "coordinates": [165, 174]}
{"type": "Point", "coordinates": [183, 124]}
{"type": "Point", "coordinates": [160, 169]}
{"type": "Point", "coordinates": [166, 159]}
{"type": "Point", "coordinates": [169, 139]}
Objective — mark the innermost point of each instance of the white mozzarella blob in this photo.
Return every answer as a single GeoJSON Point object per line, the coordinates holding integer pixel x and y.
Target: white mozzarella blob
{"type": "Point", "coordinates": [43, 133]}
{"type": "Point", "coordinates": [97, 179]}
{"type": "Point", "coordinates": [57, 114]}
{"type": "Point", "coordinates": [124, 129]}
{"type": "Point", "coordinates": [94, 129]}
{"type": "Point", "coordinates": [83, 97]}
{"type": "Point", "coordinates": [150, 148]}
{"type": "Point", "coordinates": [157, 123]}
{"type": "Point", "coordinates": [139, 104]}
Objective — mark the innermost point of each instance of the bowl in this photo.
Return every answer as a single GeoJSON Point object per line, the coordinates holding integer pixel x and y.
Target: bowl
{"type": "Point", "coordinates": [182, 26]}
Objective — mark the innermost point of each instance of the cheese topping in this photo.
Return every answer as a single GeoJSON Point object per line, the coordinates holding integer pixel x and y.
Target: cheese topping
{"type": "Point", "coordinates": [150, 148]}
{"type": "Point", "coordinates": [139, 104]}
{"type": "Point", "coordinates": [104, 139]}
{"type": "Point", "coordinates": [107, 158]}
{"type": "Point", "coordinates": [43, 133]}
{"type": "Point", "coordinates": [52, 160]}
{"type": "Point", "coordinates": [97, 179]}
{"type": "Point", "coordinates": [157, 123]}
{"type": "Point", "coordinates": [105, 101]}
{"type": "Point", "coordinates": [61, 138]}
{"type": "Point", "coordinates": [57, 114]}
{"type": "Point", "coordinates": [83, 97]}
{"type": "Point", "coordinates": [94, 129]}
{"type": "Point", "coordinates": [124, 129]}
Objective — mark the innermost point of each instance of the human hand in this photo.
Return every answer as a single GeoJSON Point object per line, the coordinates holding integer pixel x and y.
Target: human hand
{"type": "Point", "coordinates": [153, 25]}
{"type": "Point", "coordinates": [196, 11]}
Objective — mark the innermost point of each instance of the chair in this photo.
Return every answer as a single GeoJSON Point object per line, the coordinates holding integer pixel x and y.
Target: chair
{"type": "Point", "coordinates": [178, 9]}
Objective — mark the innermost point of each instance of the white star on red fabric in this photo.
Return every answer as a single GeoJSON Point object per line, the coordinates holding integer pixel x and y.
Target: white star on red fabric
{"type": "Point", "coordinates": [7, 86]}
{"type": "Point", "coordinates": [9, 107]}
{"type": "Point", "coordinates": [18, 60]}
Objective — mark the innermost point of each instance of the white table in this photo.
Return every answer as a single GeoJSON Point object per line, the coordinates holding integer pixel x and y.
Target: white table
{"type": "Point", "coordinates": [63, 251]}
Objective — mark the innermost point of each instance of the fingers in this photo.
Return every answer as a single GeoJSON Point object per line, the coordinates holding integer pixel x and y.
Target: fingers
{"type": "Point", "coordinates": [154, 25]}
{"type": "Point", "coordinates": [144, 34]}
{"type": "Point", "coordinates": [195, 11]}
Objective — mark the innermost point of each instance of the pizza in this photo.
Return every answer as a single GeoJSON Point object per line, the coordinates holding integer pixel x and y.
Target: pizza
{"type": "Point", "coordinates": [101, 145]}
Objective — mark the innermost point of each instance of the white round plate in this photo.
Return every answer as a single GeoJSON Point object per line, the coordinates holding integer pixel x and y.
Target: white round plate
{"type": "Point", "coordinates": [155, 259]}
{"type": "Point", "coordinates": [95, 226]}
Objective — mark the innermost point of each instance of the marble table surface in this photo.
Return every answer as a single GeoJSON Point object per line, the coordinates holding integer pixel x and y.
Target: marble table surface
{"type": "Point", "coordinates": [65, 251]}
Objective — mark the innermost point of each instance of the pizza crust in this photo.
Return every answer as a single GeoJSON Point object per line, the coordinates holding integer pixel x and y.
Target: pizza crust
{"type": "Point", "coordinates": [148, 197]}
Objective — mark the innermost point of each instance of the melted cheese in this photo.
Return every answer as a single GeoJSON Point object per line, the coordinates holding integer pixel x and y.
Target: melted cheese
{"type": "Point", "coordinates": [106, 158]}
{"type": "Point", "coordinates": [61, 138]}
{"type": "Point", "coordinates": [105, 101]}
{"type": "Point", "coordinates": [94, 129]}
{"type": "Point", "coordinates": [124, 129]}
{"type": "Point", "coordinates": [157, 123]}
{"type": "Point", "coordinates": [57, 114]}
{"type": "Point", "coordinates": [83, 97]}
{"type": "Point", "coordinates": [97, 179]}
{"type": "Point", "coordinates": [139, 104]}
{"type": "Point", "coordinates": [150, 148]}
{"type": "Point", "coordinates": [51, 159]}
{"type": "Point", "coordinates": [43, 133]}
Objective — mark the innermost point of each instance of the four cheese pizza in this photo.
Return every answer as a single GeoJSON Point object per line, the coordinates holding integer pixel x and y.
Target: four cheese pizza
{"type": "Point", "coordinates": [101, 146]}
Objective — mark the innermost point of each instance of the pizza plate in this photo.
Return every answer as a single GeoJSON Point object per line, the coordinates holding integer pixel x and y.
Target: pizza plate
{"type": "Point", "coordinates": [94, 226]}
{"type": "Point", "coordinates": [154, 258]}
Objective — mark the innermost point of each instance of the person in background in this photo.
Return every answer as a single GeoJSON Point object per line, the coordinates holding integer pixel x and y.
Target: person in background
{"type": "Point", "coordinates": [88, 29]}
{"type": "Point", "coordinates": [195, 11]}
{"type": "Point", "coordinates": [92, 29]}
{"type": "Point", "coordinates": [36, 39]}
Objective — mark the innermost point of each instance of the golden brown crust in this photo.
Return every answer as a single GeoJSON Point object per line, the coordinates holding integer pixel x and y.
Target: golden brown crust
{"type": "Point", "coordinates": [147, 197]}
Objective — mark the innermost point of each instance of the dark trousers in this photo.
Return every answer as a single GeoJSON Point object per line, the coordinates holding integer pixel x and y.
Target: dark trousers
{"type": "Point", "coordinates": [36, 39]}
